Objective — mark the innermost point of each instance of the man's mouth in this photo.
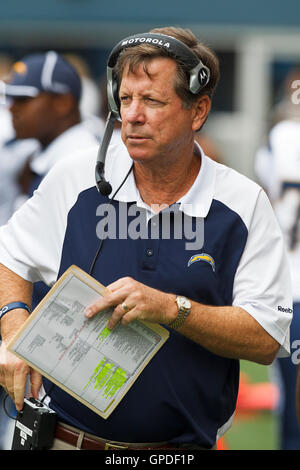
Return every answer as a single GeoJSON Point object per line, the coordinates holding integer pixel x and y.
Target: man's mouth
{"type": "Point", "coordinates": [136, 137]}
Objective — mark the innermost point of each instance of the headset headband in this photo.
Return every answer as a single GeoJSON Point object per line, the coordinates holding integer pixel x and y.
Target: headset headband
{"type": "Point", "coordinates": [198, 73]}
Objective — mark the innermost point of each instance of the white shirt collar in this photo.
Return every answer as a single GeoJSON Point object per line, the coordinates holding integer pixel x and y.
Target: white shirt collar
{"type": "Point", "coordinates": [195, 203]}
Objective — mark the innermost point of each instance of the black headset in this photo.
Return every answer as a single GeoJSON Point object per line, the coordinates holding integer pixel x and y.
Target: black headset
{"type": "Point", "coordinates": [198, 74]}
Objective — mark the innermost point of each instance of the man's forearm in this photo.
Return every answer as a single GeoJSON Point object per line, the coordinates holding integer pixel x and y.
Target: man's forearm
{"type": "Point", "coordinates": [13, 371]}
{"type": "Point", "coordinates": [226, 331]}
{"type": "Point", "coordinates": [13, 288]}
{"type": "Point", "coordinates": [230, 332]}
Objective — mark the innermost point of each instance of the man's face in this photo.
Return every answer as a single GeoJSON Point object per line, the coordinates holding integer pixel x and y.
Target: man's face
{"type": "Point", "coordinates": [32, 117]}
{"type": "Point", "coordinates": [154, 123]}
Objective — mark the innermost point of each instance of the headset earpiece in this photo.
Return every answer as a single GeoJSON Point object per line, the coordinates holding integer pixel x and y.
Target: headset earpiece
{"type": "Point", "coordinates": [113, 93]}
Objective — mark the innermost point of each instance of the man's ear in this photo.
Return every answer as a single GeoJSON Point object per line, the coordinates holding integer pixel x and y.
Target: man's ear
{"type": "Point", "coordinates": [201, 109]}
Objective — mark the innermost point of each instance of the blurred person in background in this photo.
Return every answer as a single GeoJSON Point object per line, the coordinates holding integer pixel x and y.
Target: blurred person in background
{"type": "Point", "coordinates": [90, 101]}
{"type": "Point", "coordinates": [44, 92]}
{"type": "Point", "coordinates": [6, 130]}
{"type": "Point", "coordinates": [91, 97]}
{"type": "Point", "coordinates": [13, 156]}
{"type": "Point", "coordinates": [13, 153]}
{"type": "Point", "coordinates": [277, 167]}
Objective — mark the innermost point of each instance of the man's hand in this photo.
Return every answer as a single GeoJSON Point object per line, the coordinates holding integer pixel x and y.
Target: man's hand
{"type": "Point", "coordinates": [13, 376]}
{"type": "Point", "coordinates": [13, 371]}
{"type": "Point", "coordinates": [133, 300]}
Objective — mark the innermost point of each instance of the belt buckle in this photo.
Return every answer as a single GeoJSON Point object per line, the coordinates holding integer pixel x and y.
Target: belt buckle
{"type": "Point", "coordinates": [109, 446]}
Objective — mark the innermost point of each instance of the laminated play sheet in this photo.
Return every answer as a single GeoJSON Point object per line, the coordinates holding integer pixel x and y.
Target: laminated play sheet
{"type": "Point", "coordinates": [95, 365]}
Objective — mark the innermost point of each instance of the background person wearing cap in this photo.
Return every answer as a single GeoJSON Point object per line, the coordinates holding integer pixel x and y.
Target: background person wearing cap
{"type": "Point", "coordinates": [13, 152]}
{"type": "Point", "coordinates": [45, 92]}
{"type": "Point", "coordinates": [13, 155]}
{"type": "Point", "coordinates": [217, 299]}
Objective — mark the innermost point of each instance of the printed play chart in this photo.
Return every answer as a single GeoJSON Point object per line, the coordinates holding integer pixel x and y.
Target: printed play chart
{"type": "Point", "coordinates": [82, 356]}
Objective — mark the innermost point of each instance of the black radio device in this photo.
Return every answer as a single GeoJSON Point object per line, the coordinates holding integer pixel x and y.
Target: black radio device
{"type": "Point", "coordinates": [35, 426]}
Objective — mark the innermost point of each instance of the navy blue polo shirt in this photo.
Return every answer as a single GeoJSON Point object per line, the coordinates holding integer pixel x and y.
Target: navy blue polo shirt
{"type": "Point", "coordinates": [186, 394]}
{"type": "Point", "coordinates": [182, 406]}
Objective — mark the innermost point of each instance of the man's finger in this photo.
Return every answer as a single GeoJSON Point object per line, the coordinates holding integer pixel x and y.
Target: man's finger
{"type": "Point", "coordinates": [109, 301]}
{"type": "Point", "coordinates": [35, 382]}
{"type": "Point", "coordinates": [99, 306]}
{"type": "Point", "coordinates": [20, 376]}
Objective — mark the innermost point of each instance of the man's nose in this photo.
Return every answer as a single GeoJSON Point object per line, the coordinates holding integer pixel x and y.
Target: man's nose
{"type": "Point", "coordinates": [134, 112]}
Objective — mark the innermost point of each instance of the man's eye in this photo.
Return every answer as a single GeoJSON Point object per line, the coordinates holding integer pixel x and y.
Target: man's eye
{"type": "Point", "coordinates": [153, 101]}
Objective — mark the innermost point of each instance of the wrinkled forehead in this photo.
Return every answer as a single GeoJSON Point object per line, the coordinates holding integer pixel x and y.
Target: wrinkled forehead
{"type": "Point", "coordinates": [159, 69]}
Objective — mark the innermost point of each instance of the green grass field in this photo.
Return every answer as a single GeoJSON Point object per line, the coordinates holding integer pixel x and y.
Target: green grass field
{"type": "Point", "coordinates": [257, 430]}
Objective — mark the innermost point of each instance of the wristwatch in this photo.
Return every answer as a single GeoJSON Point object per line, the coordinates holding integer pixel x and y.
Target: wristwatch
{"type": "Point", "coordinates": [184, 309]}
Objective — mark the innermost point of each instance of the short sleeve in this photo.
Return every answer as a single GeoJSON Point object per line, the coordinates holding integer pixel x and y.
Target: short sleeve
{"type": "Point", "coordinates": [31, 242]}
{"type": "Point", "coordinates": [262, 284]}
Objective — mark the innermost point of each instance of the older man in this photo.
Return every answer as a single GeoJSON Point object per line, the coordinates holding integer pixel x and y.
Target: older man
{"type": "Point", "coordinates": [223, 298]}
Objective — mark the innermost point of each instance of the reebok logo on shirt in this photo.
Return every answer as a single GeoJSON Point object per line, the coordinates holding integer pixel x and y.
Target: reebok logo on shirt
{"type": "Point", "coordinates": [286, 310]}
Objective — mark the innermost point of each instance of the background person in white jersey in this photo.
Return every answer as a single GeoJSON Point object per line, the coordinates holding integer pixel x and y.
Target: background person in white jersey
{"type": "Point", "coordinates": [282, 180]}
{"type": "Point", "coordinates": [278, 169]}
{"type": "Point", "coordinates": [44, 92]}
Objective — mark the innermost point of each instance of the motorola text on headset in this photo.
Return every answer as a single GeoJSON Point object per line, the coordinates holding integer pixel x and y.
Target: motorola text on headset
{"type": "Point", "coordinates": [198, 73]}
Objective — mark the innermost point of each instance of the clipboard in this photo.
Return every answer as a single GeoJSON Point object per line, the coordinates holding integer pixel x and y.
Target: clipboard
{"type": "Point", "coordinates": [95, 365]}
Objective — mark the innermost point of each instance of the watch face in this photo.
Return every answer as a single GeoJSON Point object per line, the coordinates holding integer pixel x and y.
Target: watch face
{"type": "Point", "coordinates": [183, 302]}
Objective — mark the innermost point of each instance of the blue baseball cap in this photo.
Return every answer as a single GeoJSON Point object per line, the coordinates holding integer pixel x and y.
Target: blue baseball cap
{"type": "Point", "coordinates": [48, 72]}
